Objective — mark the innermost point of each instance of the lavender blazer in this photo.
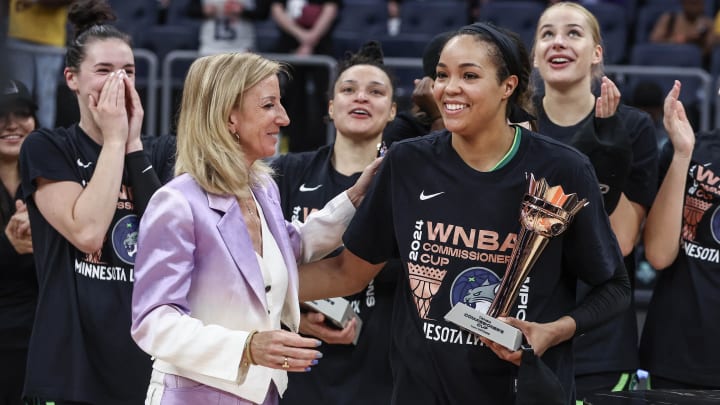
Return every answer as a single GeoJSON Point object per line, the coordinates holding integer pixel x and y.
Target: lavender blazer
{"type": "Point", "coordinates": [199, 289]}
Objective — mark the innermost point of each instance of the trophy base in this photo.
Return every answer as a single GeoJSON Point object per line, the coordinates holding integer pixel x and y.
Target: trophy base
{"type": "Point", "coordinates": [486, 326]}
{"type": "Point", "coordinates": [338, 312]}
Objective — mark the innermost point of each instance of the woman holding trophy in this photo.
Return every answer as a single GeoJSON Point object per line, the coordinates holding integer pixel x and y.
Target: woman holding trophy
{"type": "Point", "coordinates": [448, 206]}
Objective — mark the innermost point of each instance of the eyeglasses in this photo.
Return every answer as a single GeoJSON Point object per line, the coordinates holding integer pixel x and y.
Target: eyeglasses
{"type": "Point", "coordinates": [20, 114]}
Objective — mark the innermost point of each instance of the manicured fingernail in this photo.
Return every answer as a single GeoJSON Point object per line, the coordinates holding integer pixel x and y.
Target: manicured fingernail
{"type": "Point", "coordinates": [112, 74]}
{"type": "Point", "coordinates": [308, 369]}
{"type": "Point", "coordinates": [319, 355]}
{"type": "Point", "coordinates": [318, 343]}
{"type": "Point", "coordinates": [314, 362]}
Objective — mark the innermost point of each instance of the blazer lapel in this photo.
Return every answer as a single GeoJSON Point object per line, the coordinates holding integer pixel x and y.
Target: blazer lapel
{"type": "Point", "coordinates": [237, 241]}
{"type": "Point", "coordinates": [276, 223]}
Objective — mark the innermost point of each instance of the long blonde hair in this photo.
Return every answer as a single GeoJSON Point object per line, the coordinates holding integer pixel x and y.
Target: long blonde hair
{"type": "Point", "coordinates": [205, 147]}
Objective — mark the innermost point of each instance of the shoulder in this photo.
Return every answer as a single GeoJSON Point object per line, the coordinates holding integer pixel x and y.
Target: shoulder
{"type": "Point", "coordinates": [43, 136]}
{"type": "Point", "coordinates": [184, 185]}
{"type": "Point", "coordinates": [552, 148]}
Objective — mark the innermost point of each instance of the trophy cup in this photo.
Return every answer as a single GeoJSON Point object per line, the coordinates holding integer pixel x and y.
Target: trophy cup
{"type": "Point", "coordinates": [545, 212]}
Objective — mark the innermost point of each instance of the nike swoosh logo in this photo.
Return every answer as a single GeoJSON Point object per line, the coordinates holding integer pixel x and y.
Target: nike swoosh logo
{"type": "Point", "coordinates": [83, 165]}
{"type": "Point", "coordinates": [305, 189]}
{"type": "Point", "coordinates": [424, 196]}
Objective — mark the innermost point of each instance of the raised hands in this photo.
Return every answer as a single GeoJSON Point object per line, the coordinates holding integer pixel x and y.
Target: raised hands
{"type": "Point", "coordinates": [118, 112]}
{"type": "Point", "coordinates": [135, 114]}
{"type": "Point", "coordinates": [676, 123]}
{"type": "Point", "coordinates": [606, 105]}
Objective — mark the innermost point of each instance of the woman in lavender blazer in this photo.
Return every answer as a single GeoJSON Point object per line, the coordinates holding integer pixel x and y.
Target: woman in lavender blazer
{"type": "Point", "coordinates": [216, 270]}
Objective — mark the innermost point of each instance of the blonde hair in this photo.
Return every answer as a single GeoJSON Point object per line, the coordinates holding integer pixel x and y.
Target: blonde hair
{"type": "Point", "coordinates": [593, 24]}
{"type": "Point", "coordinates": [205, 147]}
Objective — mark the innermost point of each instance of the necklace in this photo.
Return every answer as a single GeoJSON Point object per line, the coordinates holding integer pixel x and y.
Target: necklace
{"type": "Point", "coordinates": [252, 221]}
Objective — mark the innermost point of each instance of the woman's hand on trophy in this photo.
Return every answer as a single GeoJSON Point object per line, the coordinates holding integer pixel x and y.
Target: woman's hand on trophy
{"type": "Point", "coordinates": [313, 324]}
{"type": "Point", "coordinates": [502, 352]}
{"type": "Point", "coordinates": [541, 336]}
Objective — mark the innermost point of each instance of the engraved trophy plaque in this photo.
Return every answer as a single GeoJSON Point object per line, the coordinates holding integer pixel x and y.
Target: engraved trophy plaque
{"type": "Point", "coordinates": [545, 212]}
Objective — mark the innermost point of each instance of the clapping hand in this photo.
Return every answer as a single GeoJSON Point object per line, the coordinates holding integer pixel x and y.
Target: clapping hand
{"type": "Point", "coordinates": [676, 123]}
{"type": "Point", "coordinates": [18, 229]}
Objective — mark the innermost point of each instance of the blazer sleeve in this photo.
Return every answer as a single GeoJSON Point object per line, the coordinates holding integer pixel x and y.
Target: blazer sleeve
{"type": "Point", "coordinates": [322, 231]}
{"type": "Point", "coordinates": [161, 321]}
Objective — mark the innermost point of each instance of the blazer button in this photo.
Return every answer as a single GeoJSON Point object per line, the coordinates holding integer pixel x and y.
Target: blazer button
{"type": "Point", "coordinates": [268, 288]}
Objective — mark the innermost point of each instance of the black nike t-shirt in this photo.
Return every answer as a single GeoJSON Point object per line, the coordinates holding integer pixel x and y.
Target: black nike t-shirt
{"type": "Point", "coordinates": [454, 229]}
{"type": "Point", "coordinates": [613, 346]}
{"type": "Point", "coordinates": [346, 374]}
{"type": "Point", "coordinates": [80, 348]}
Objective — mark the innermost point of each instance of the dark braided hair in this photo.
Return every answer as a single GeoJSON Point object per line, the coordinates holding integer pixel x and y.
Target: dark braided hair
{"type": "Point", "coordinates": [370, 53]}
{"type": "Point", "coordinates": [90, 21]}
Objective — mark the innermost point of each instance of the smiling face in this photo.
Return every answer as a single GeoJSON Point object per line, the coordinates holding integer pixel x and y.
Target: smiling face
{"type": "Point", "coordinates": [258, 118]}
{"type": "Point", "coordinates": [102, 57]}
{"type": "Point", "coordinates": [467, 87]}
{"type": "Point", "coordinates": [16, 122]}
{"type": "Point", "coordinates": [567, 50]}
{"type": "Point", "coordinates": [362, 102]}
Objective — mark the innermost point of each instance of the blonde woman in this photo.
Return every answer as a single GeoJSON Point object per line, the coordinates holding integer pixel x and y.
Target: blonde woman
{"type": "Point", "coordinates": [216, 274]}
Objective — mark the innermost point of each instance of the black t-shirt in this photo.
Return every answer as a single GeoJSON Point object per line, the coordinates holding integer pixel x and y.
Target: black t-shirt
{"type": "Point", "coordinates": [613, 346]}
{"type": "Point", "coordinates": [18, 290]}
{"type": "Point", "coordinates": [81, 349]}
{"type": "Point", "coordinates": [346, 374]}
{"type": "Point", "coordinates": [454, 229]}
{"type": "Point", "coordinates": [682, 328]}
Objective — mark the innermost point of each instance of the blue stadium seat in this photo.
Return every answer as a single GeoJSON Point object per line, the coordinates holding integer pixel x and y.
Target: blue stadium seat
{"type": "Point", "coordinates": [613, 27]}
{"type": "Point", "coordinates": [359, 22]}
{"type": "Point", "coordinates": [135, 16]}
{"type": "Point", "coordinates": [266, 35]}
{"type": "Point", "coordinates": [162, 39]}
{"type": "Point", "coordinates": [432, 17]}
{"type": "Point", "coordinates": [673, 55]}
{"type": "Point", "coordinates": [518, 16]}
{"type": "Point", "coordinates": [178, 13]}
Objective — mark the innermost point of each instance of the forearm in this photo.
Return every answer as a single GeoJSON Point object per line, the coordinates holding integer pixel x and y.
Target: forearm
{"type": "Point", "coordinates": [339, 276]}
{"type": "Point", "coordinates": [323, 23]}
{"type": "Point", "coordinates": [286, 23]}
{"type": "Point", "coordinates": [143, 179]}
{"type": "Point", "coordinates": [626, 221]}
{"type": "Point", "coordinates": [603, 302]}
{"type": "Point", "coordinates": [96, 204]}
{"type": "Point", "coordinates": [664, 222]}
{"type": "Point", "coordinates": [322, 232]}
{"type": "Point", "coordinates": [563, 330]}
{"type": "Point", "coordinates": [83, 214]}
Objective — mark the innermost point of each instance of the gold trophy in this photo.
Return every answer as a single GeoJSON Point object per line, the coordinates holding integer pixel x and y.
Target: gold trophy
{"type": "Point", "coordinates": [545, 212]}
